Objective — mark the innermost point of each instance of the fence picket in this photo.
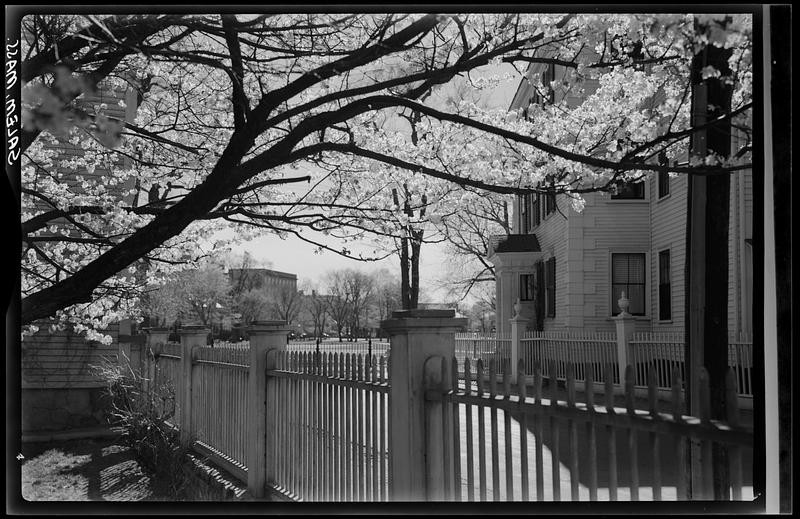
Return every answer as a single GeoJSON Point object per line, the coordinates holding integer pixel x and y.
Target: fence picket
{"type": "Point", "coordinates": [611, 433]}
{"type": "Point", "coordinates": [632, 434]}
{"type": "Point", "coordinates": [555, 456]}
{"type": "Point", "coordinates": [706, 460]}
{"type": "Point", "coordinates": [523, 430]}
{"type": "Point", "coordinates": [734, 451]}
{"type": "Point", "coordinates": [509, 496]}
{"type": "Point", "coordinates": [539, 431]}
{"type": "Point", "coordinates": [384, 411]}
{"type": "Point", "coordinates": [680, 443]}
{"type": "Point", "coordinates": [470, 447]}
{"type": "Point", "coordinates": [479, 373]}
{"type": "Point", "coordinates": [573, 435]}
{"type": "Point", "coordinates": [375, 421]}
{"type": "Point", "coordinates": [367, 426]}
{"type": "Point", "coordinates": [591, 433]}
{"type": "Point", "coordinates": [655, 438]}
{"type": "Point", "coordinates": [494, 430]}
{"type": "Point", "coordinates": [347, 454]}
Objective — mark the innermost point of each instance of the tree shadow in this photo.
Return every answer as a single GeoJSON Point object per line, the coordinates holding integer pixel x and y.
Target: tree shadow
{"type": "Point", "coordinates": [669, 467]}
{"type": "Point", "coordinates": [112, 473]}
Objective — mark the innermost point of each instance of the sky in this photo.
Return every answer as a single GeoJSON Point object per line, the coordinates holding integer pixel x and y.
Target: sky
{"type": "Point", "coordinates": [298, 257]}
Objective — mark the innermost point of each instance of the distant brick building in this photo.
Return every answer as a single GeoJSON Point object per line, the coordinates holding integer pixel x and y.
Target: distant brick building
{"type": "Point", "coordinates": [258, 278]}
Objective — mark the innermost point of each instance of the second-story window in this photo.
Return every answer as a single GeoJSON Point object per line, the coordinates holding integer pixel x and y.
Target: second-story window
{"type": "Point", "coordinates": [523, 214]}
{"type": "Point", "coordinates": [663, 184]}
{"type": "Point", "coordinates": [530, 216]}
{"type": "Point", "coordinates": [629, 191]}
{"type": "Point", "coordinates": [549, 203]}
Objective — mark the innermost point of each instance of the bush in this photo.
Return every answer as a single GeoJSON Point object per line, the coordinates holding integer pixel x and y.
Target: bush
{"type": "Point", "coordinates": [143, 412]}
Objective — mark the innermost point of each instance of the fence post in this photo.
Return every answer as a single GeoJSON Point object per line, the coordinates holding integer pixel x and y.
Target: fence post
{"type": "Point", "coordinates": [191, 337]}
{"type": "Point", "coordinates": [124, 344]}
{"type": "Point", "coordinates": [415, 336]}
{"type": "Point", "coordinates": [625, 327]}
{"type": "Point", "coordinates": [264, 337]}
{"type": "Point", "coordinates": [156, 338]}
{"type": "Point", "coordinates": [518, 326]}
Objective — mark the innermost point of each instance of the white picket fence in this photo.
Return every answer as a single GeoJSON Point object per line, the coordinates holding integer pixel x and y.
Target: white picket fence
{"type": "Point", "coordinates": [509, 442]}
{"type": "Point", "coordinates": [474, 346]}
{"type": "Point", "coordinates": [599, 351]}
{"type": "Point", "coordinates": [318, 426]}
{"type": "Point", "coordinates": [331, 439]}
{"type": "Point", "coordinates": [219, 394]}
{"type": "Point", "coordinates": [665, 353]}
{"type": "Point", "coordinates": [558, 349]}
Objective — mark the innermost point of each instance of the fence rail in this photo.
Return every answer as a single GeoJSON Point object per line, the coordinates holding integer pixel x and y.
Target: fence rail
{"type": "Point", "coordinates": [354, 347]}
{"type": "Point", "coordinates": [331, 425]}
{"type": "Point", "coordinates": [509, 446]}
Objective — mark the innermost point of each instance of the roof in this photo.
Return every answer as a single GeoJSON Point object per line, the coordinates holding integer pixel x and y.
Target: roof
{"type": "Point", "coordinates": [516, 243]}
{"type": "Point", "coordinates": [263, 272]}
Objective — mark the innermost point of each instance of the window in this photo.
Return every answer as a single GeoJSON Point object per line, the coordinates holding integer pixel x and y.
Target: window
{"type": "Point", "coordinates": [523, 214]}
{"type": "Point", "coordinates": [549, 203]}
{"type": "Point", "coordinates": [629, 191]}
{"type": "Point", "coordinates": [664, 297]}
{"type": "Point", "coordinates": [663, 184]}
{"type": "Point", "coordinates": [526, 287]}
{"type": "Point", "coordinates": [550, 287]}
{"type": "Point", "coordinates": [628, 275]}
{"type": "Point", "coordinates": [529, 212]}
{"type": "Point", "coordinates": [548, 77]}
{"type": "Point", "coordinates": [539, 306]}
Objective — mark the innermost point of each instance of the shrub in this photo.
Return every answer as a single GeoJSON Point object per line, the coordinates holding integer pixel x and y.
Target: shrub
{"type": "Point", "coordinates": [143, 411]}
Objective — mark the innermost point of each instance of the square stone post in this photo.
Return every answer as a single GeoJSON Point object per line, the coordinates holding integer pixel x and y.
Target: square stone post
{"type": "Point", "coordinates": [518, 326]}
{"type": "Point", "coordinates": [265, 336]}
{"type": "Point", "coordinates": [415, 336]}
{"type": "Point", "coordinates": [625, 327]}
{"type": "Point", "coordinates": [192, 336]}
{"type": "Point", "coordinates": [156, 338]}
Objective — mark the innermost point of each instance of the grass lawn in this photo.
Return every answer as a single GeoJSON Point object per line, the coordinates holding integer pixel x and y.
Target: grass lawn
{"type": "Point", "coordinates": [84, 470]}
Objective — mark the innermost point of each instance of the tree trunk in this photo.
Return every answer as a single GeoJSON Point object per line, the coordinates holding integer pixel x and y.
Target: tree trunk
{"type": "Point", "coordinates": [416, 245]}
{"type": "Point", "coordinates": [707, 258]}
{"type": "Point", "coordinates": [405, 290]}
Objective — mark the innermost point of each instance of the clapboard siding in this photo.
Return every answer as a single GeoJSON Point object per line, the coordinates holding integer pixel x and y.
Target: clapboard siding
{"type": "Point", "coordinates": [63, 359]}
{"type": "Point", "coordinates": [612, 226]}
{"type": "Point", "coordinates": [550, 234]}
{"type": "Point", "coordinates": [668, 223]}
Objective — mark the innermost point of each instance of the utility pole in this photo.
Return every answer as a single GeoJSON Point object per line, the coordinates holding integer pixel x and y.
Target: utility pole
{"type": "Point", "coordinates": [707, 257]}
